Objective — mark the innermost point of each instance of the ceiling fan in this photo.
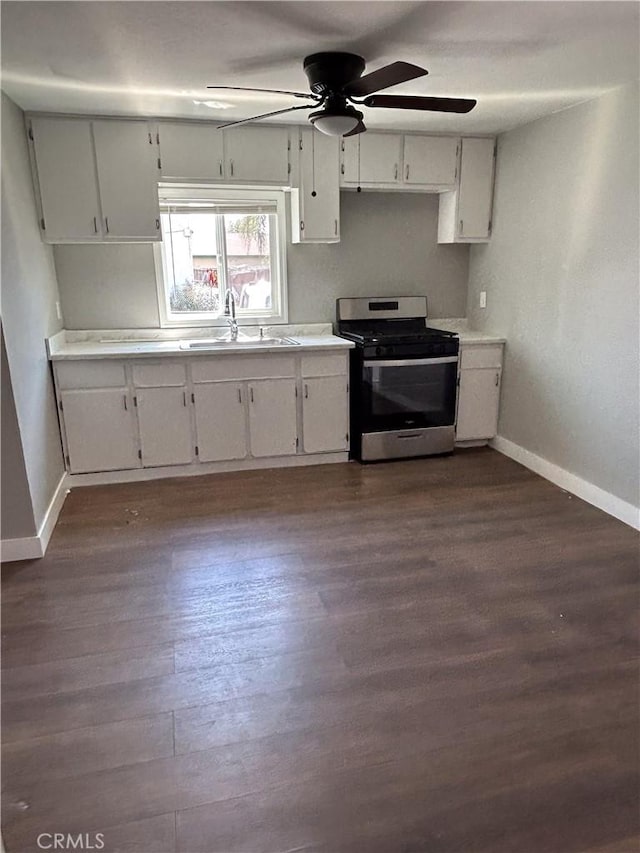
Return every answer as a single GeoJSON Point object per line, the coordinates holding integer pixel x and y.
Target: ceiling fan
{"type": "Point", "coordinates": [336, 84]}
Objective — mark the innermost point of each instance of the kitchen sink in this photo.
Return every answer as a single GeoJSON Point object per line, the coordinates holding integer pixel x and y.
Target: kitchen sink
{"type": "Point", "coordinates": [222, 343]}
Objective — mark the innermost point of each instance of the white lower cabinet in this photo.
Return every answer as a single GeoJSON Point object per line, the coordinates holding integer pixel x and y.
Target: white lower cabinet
{"type": "Point", "coordinates": [149, 413]}
{"type": "Point", "coordinates": [99, 430]}
{"type": "Point", "coordinates": [221, 424]}
{"type": "Point", "coordinates": [324, 414]}
{"type": "Point", "coordinates": [273, 427]}
{"type": "Point", "coordinates": [479, 392]}
{"type": "Point", "coordinates": [165, 426]}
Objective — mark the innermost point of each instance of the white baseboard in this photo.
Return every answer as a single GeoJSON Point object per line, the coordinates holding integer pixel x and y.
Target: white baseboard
{"type": "Point", "coordinates": [622, 510]}
{"type": "Point", "coordinates": [53, 511]}
{"type": "Point", "coordinates": [195, 469]}
{"type": "Point", "coordinates": [28, 548]}
{"type": "Point", "coordinates": [34, 547]}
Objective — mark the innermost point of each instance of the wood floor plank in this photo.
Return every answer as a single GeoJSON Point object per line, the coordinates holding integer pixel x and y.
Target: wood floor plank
{"type": "Point", "coordinates": [431, 655]}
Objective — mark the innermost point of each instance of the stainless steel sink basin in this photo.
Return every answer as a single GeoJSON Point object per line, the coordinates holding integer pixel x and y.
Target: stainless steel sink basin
{"type": "Point", "coordinates": [222, 343]}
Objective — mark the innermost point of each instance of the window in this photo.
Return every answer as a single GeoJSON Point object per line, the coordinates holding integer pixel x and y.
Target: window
{"type": "Point", "coordinates": [218, 242]}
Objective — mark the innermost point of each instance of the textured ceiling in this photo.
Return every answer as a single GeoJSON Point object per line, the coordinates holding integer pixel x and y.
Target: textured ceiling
{"type": "Point", "coordinates": [521, 60]}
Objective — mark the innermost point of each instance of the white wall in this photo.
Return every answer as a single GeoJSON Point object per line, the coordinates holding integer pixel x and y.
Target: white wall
{"type": "Point", "coordinates": [16, 519]}
{"type": "Point", "coordinates": [29, 294]}
{"type": "Point", "coordinates": [561, 275]}
{"type": "Point", "coordinates": [388, 246]}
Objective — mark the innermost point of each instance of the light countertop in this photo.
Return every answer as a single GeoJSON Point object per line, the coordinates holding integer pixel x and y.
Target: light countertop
{"type": "Point", "coordinates": [67, 345]}
{"type": "Point", "coordinates": [460, 326]}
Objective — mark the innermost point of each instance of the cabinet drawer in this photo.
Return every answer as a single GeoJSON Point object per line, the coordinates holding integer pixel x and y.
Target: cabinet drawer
{"type": "Point", "coordinates": [484, 355]}
{"type": "Point", "coordinates": [158, 375]}
{"type": "Point", "coordinates": [248, 367]}
{"type": "Point", "coordinates": [90, 374]}
{"type": "Point", "coordinates": [324, 365]}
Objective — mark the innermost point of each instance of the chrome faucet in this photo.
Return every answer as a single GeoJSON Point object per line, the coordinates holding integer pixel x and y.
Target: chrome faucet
{"type": "Point", "coordinates": [230, 314]}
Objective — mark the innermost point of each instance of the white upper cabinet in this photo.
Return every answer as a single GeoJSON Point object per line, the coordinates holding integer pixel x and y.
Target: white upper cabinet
{"type": "Point", "coordinates": [257, 155]}
{"type": "Point", "coordinates": [431, 160]}
{"type": "Point", "coordinates": [315, 201]}
{"type": "Point", "coordinates": [191, 151]}
{"type": "Point", "coordinates": [67, 179]}
{"type": "Point", "coordinates": [476, 188]}
{"type": "Point", "coordinates": [372, 158]}
{"type": "Point", "coordinates": [127, 160]}
{"type": "Point", "coordinates": [273, 417]}
{"type": "Point", "coordinates": [465, 213]}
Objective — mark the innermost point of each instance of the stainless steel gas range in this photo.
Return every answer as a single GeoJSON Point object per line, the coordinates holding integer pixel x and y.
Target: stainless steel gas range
{"type": "Point", "coordinates": [404, 378]}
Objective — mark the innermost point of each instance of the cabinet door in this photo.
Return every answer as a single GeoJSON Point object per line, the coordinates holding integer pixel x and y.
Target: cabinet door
{"type": "Point", "coordinates": [165, 426]}
{"type": "Point", "coordinates": [319, 193]}
{"type": "Point", "coordinates": [221, 431]}
{"type": "Point", "coordinates": [476, 188]}
{"type": "Point", "coordinates": [258, 154]}
{"type": "Point", "coordinates": [272, 417]}
{"type": "Point", "coordinates": [100, 430]}
{"type": "Point", "coordinates": [67, 179]}
{"type": "Point", "coordinates": [380, 158]}
{"type": "Point", "coordinates": [191, 151]}
{"type": "Point", "coordinates": [350, 159]}
{"type": "Point", "coordinates": [324, 414]}
{"type": "Point", "coordinates": [478, 401]}
{"type": "Point", "coordinates": [127, 159]}
{"type": "Point", "coordinates": [430, 160]}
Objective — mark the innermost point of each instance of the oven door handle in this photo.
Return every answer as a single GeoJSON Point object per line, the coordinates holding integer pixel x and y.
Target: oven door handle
{"type": "Point", "coordinates": [409, 362]}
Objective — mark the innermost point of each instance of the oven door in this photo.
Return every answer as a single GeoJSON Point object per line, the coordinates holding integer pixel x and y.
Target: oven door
{"type": "Point", "coordinates": [408, 393]}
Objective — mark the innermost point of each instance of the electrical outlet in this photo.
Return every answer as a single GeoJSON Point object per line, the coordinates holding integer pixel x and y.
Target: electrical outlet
{"type": "Point", "coordinates": [59, 310]}
{"type": "Point", "coordinates": [483, 298]}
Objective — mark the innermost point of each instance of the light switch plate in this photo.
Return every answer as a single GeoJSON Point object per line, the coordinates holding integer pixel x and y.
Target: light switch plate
{"type": "Point", "coordinates": [483, 298]}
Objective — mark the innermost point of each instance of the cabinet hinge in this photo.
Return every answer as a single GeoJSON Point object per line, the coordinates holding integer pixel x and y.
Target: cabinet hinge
{"type": "Point", "coordinates": [135, 402]}
{"type": "Point", "coordinates": [347, 387]}
{"type": "Point", "coordinates": [458, 381]}
{"type": "Point", "coordinates": [197, 450]}
{"type": "Point", "coordinates": [60, 406]}
{"type": "Point", "coordinates": [193, 398]}
{"type": "Point", "coordinates": [158, 138]}
{"type": "Point", "coordinates": [490, 224]}
{"type": "Point", "coordinates": [140, 454]}
{"type": "Point", "coordinates": [297, 442]}
{"type": "Point", "coordinates": [288, 145]}
{"type": "Point", "coordinates": [347, 437]}
{"type": "Point", "coordinates": [68, 461]}
{"type": "Point", "coordinates": [150, 139]}
{"type": "Point", "coordinates": [30, 132]}
{"type": "Point", "coordinates": [300, 143]}
{"type": "Point", "coordinates": [288, 168]}
{"type": "Point", "coordinates": [159, 164]}
{"type": "Point", "coordinates": [296, 390]}
{"type": "Point", "coordinates": [42, 225]}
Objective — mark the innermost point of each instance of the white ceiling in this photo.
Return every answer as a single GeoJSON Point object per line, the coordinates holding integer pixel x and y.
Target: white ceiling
{"type": "Point", "coordinates": [521, 60]}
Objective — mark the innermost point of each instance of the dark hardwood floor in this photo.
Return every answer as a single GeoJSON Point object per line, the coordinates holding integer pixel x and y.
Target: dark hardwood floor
{"type": "Point", "coordinates": [429, 656]}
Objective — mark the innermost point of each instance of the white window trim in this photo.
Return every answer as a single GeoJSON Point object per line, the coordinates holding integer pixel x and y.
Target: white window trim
{"type": "Point", "coordinates": [196, 319]}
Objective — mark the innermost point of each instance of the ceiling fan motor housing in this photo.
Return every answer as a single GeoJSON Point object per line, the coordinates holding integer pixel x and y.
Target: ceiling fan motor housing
{"type": "Point", "coordinates": [330, 72]}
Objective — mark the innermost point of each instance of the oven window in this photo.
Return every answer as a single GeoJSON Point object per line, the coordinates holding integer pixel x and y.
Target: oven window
{"type": "Point", "coordinates": [408, 395]}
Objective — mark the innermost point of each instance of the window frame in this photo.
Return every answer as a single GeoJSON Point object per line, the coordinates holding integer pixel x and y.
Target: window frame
{"type": "Point", "coordinates": [279, 312]}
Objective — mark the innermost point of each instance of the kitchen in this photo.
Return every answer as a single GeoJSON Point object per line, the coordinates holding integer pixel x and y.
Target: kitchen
{"type": "Point", "coordinates": [514, 226]}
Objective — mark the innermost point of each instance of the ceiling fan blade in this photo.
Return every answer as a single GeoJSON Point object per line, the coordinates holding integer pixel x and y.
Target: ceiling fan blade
{"type": "Point", "coordinates": [359, 128]}
{"type": "Point", "coordinates": [390, 75]}
{"type": "Point", "coordinates": [266, 115]}
{"type": "Point", "coordinates": [410, 102]}
{"type": "Point", "coordinates": [270, 91]}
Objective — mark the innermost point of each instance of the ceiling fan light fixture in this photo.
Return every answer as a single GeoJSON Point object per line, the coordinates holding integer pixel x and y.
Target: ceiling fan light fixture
{"type": "Point", "coordinates": [336, 122]}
